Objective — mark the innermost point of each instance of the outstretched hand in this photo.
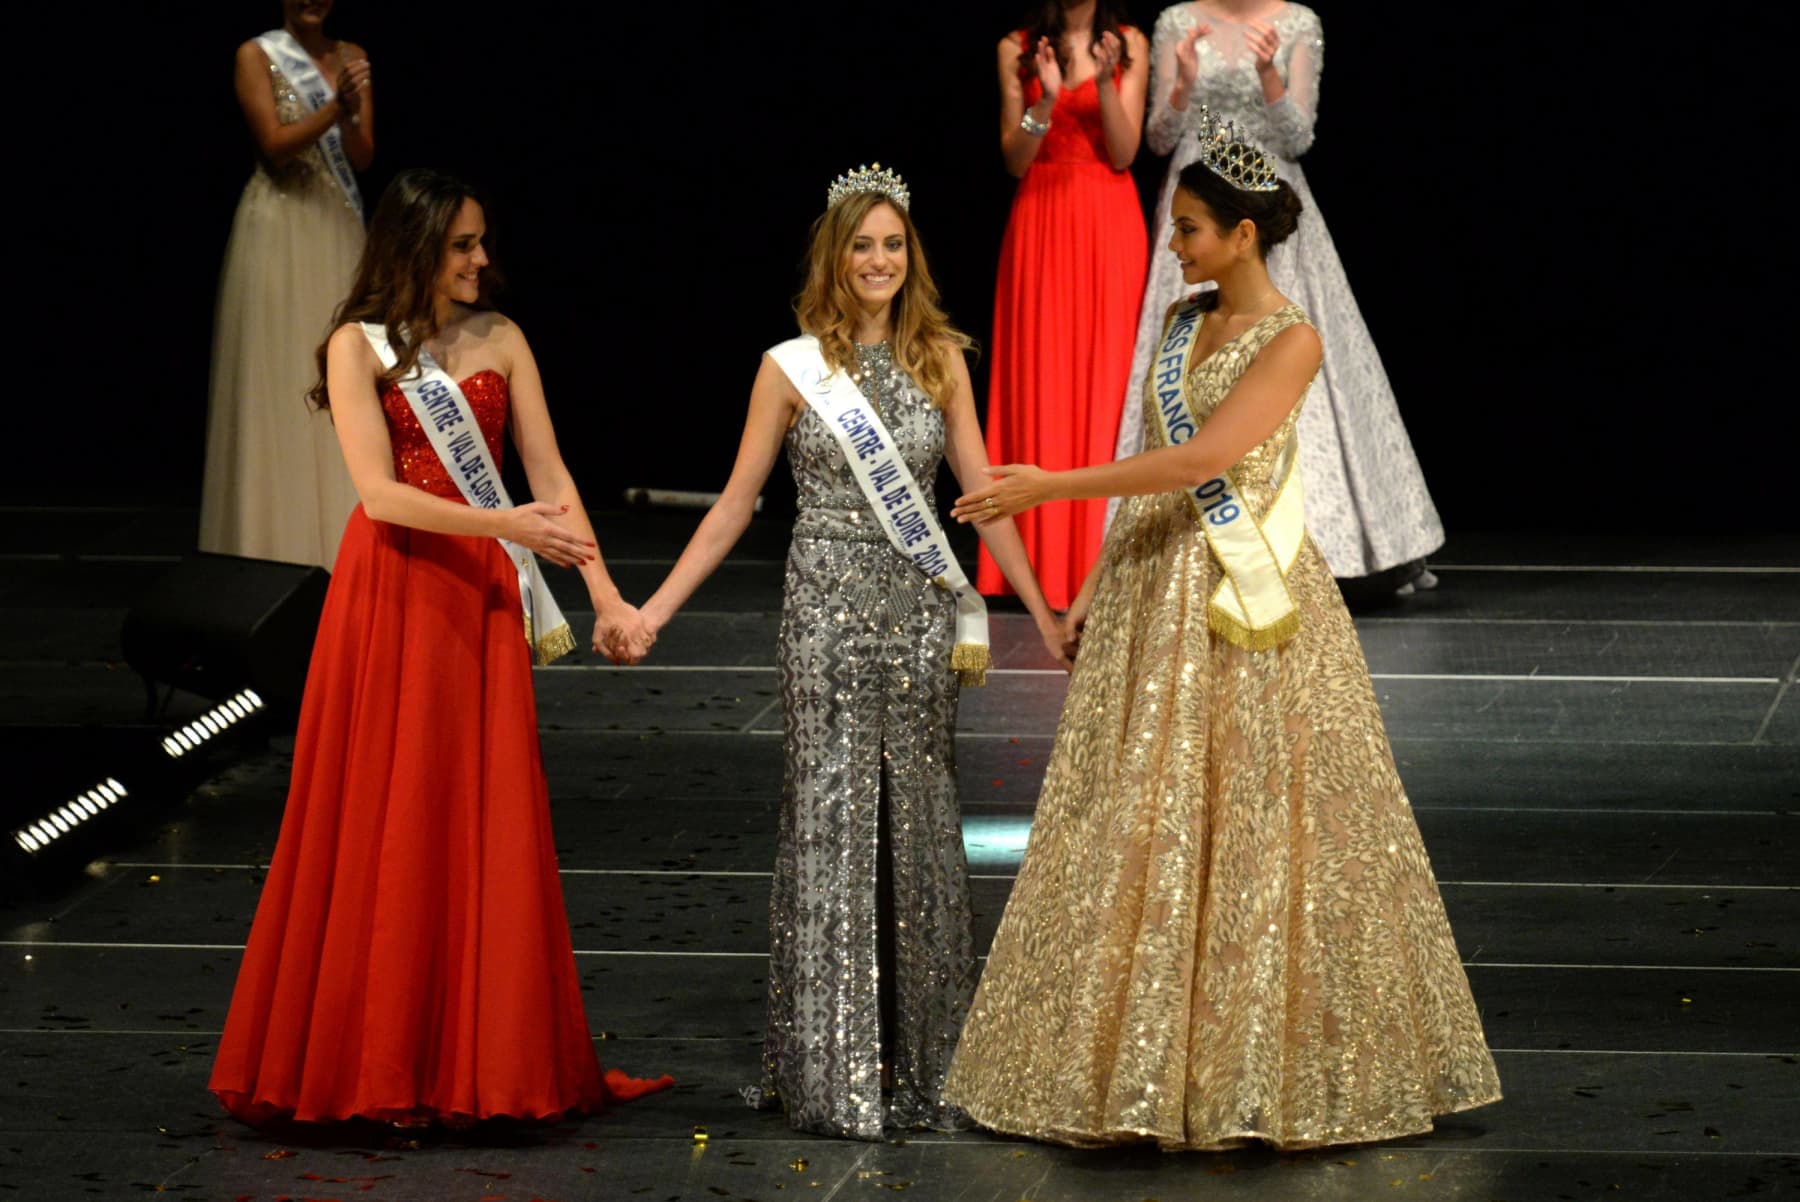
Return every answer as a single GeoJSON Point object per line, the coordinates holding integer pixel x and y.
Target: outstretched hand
{"type": "Point", "coordinates": [1016, 488]}
{"type": "Point", "coordinates": [538, 525]}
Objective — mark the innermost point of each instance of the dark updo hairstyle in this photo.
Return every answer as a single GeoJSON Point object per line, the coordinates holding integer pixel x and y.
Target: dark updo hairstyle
{"type": "Point", "coordinates": [1275, 214]}
{"type": "Point", "coordinates": [396, 278]}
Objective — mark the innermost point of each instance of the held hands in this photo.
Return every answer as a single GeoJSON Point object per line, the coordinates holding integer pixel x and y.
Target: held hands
{"type": "Point", "coordinates": [1017, 487]}
{"type": "Point", "coordinates": [1049, 71]}
{"type": "Point", "coordinates": [621, 634]}
{"type": "Point", "coordinates": [1261, 40]}
{"type": "Point", "coordinates": [1073, 623]}
{"type": "Point", "coordinates": [539, 527]}
{"type": "Point", "coordinates": [1059, 647]}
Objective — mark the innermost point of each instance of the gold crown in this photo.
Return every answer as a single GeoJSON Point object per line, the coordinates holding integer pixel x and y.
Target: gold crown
{"type": "Point", "coordinates": [1234, 160]}
{"type": "Point", "coordinates": [869, 179]}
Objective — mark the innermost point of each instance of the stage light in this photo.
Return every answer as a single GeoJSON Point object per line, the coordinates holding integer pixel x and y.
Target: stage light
{"type": "Point", "coordinates": [37, 836]}
{"type": "Point", "coordinates": [214, 722]}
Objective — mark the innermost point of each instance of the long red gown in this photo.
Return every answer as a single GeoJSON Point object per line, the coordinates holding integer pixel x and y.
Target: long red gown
{"type": "Point", "coordinates": [410, 957]}
{"type": "Point", "coordinates": [1065, 320]}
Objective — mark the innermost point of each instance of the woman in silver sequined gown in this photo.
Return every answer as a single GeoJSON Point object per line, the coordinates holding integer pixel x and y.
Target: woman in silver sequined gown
{"type": "Point", "coordinates": [871, 962]}
{"type": "Point", "coordinates": [1367, 507]}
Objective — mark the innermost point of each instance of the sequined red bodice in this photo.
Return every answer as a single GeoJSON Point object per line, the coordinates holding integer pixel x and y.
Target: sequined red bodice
{"type": "Point", "coordinates": [415, 463]}
{"type": "Point", "coordinates": [1076, 134]}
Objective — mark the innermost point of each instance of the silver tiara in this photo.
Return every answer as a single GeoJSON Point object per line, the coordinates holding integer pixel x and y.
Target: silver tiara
{"type": "Point", "coordinates": [1231, 158]}
{"type": "Point", "coordinates": [877, 179]}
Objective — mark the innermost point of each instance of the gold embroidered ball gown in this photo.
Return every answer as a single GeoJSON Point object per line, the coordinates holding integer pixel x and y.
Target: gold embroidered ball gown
{"type": "Point", "coordinates": [1225, 927]}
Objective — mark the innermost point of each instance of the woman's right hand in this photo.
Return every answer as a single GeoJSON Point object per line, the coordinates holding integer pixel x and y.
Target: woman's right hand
{"type": "Point", "coordinates": [1187, 59]}
{"type": "Point", "coordinates": [1049, 71]}
{"type": "Point", "coordinates": [539, 527]}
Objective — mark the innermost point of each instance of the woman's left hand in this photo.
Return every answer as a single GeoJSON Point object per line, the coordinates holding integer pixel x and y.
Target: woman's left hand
{"type": "Point", "coordinates": [1017, 487]}
{"type": "Point", "coordinates": [1262, 41]}
{"type": "Point", "coordinates": [1107, 53]}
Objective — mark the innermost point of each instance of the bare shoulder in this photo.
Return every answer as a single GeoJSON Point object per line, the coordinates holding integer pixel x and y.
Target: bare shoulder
{"type": "Point", "coordinates": [350, 346]}
{"type": "Point", "coordinates": [773, 386]}
{"type": "Point", "coordinates": [1009, 50]}
{"type": "Point", "coordinates": [1135, 41]}
{"type": "Point", "coordinates": [349, 51]}
{"type": "Point", "coordinates": [1298, 345]}
{"type": "Point", "coordinates": [492, 328]}
{"type": "Point", "coordinates": [251, 54]}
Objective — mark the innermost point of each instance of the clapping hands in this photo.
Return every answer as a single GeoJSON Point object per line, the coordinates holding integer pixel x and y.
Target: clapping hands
{"type": "Point", "coordinates": [1049, 71]}
{"type": "Point", "coordinates": [1107, 53]}
{"type": "Point", "coordinates": [353, 86]}
{"type": "Point", "coordinates": [1187, 59]}
{"type": "Point", "coordinates": [1261, 40]}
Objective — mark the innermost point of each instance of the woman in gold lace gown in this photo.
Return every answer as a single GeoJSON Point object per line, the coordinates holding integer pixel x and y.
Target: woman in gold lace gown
{"type": "Point", "coordinates": [1225, 927]}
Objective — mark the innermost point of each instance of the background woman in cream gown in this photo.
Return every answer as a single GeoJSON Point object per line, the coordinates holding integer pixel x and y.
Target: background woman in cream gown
{"type": "Point", "coordinates": [275, 484]}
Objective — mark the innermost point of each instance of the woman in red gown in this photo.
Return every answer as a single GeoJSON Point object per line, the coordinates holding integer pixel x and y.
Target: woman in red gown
{"type": "Point", "coordinates": [410, 959]}
{"type": "Point", "coordinates": [1071, 268]}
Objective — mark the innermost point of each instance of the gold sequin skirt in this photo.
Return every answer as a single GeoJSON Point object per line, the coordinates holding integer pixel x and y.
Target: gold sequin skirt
{"type": "Point", "coordinates": [1225, 927]}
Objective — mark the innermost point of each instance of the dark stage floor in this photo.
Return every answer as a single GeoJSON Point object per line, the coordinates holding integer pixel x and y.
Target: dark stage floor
{"type": "Point", "coordinates": [1601, 738]}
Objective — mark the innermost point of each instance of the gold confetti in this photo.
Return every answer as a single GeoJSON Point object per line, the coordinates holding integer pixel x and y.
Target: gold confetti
{"type": "Point", "coordinates": [799, 1166]}
{"type": "Point", "coordinates": [155, 880]}
{"type": "Point", "coordinates": [699, 1135]}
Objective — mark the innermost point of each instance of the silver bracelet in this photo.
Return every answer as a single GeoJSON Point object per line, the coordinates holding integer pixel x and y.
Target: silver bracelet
{"type": "Point", "coordinates": [1033, 126]}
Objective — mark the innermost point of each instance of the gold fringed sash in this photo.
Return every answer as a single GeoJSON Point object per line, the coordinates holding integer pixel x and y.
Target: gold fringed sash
{"type": "Point", "coordinates": [1251, 608]}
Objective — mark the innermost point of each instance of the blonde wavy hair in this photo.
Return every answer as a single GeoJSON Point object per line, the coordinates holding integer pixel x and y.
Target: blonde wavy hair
{"type": "Point", "coordinates": [923, 340]}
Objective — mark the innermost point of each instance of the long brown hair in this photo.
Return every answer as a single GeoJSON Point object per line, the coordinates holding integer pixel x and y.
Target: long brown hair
{"type": "Point", "coordinates": [1047, 21]}
{"type": "Point", "coordinates": [397, 275]}
{"type": "Point", "coordinates": [923, 338]}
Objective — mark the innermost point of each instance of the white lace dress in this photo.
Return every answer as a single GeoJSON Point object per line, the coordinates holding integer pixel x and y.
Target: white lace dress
{"type": "Point", "coordinates": [1367, 507]}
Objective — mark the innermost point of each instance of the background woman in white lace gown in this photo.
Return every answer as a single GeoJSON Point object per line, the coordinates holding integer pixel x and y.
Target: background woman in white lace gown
{"type": "Point", "coordinates": [1257, 64]}
{"type": "Point", "coordinates": [275, 485]}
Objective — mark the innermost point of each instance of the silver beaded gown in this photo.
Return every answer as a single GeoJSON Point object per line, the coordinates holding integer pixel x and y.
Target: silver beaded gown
{"type": "Point", "coordinates": [1367, 507]}
{"type": "Point", "coordinates": [869, 707]}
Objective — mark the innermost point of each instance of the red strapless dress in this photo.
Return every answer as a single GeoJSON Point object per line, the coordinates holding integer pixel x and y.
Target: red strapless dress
{"type": "Point", "coordinates": [410, 957]}
{"type": "Point", "coordinates": [1065, 320]}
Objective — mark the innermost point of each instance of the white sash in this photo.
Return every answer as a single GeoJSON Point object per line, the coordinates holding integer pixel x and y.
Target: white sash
{"type": "Point", "coordinates": [1251, 607]}
{"type": "Point", "coordinates": [893, 494]}
{"type": "Point", "coordinates": [444, 414]}
{"type": "Point", "coordinates": [285, 51]}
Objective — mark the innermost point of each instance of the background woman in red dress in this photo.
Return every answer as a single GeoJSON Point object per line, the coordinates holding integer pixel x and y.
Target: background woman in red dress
{"type": "Point", "coordinates": [1071, 268]}
{"type": "Point", "coordinates": [410, 960]}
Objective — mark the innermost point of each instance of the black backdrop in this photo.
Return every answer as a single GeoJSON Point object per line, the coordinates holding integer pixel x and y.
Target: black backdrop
{"type": "Point", "coordinates": [1560, 227]}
